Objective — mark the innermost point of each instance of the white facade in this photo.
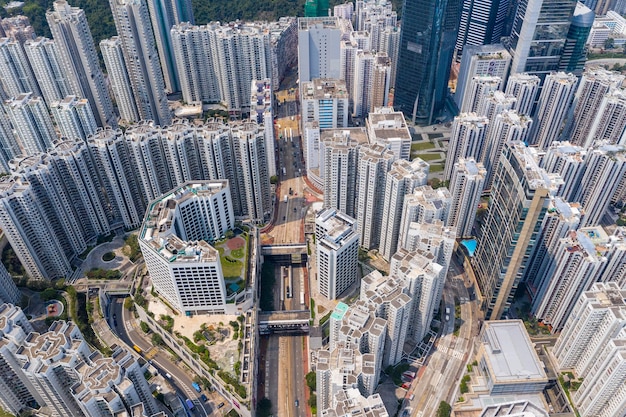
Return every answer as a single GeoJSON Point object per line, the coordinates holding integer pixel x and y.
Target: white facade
{"type": "Point", "coordinates": [594, 84]}
{"type": "Point", "coordinates": [250, 163]}
{"type": "Point", "coordinates": [467, 140]}
{"type": "Point", "coordinates": [524, 87]}
{"type": "Point", "coordinates": [493, 60]}
{"type": "Point", "coordinates": [568, 161]}
{"type": "Point", "coordinates": [507, 126]}
{"type": "Point", "coordinates": [325, 101]}
{"type": "Point", "coordinates": [466, 187]}
{"type": "Point", "coordinates": [15, 72]}
{"type": "Point", "coordinates": [134, 29]}
{"type": "Point", "coordinates": [32, 123]}
{"type": "Point", "coordinates": [479, 87]}
{"type": "Point", "coordinates": [185, 269]}
{"type": "Point", "coordinates": [389, 128]}
{"type": "Point", "coordinates": [605, 166]}
{"type": "Point", "coordinates": [374, 163]}
{"type": "Point", "coordinates": [77, 52]}
{"type": "Point", "coordinates": [339, 166]}
{"type": "Point", "coordinates": [424, 205]}
{"type": "Point", "coordinates": [556, 97]}
{"type": "Point", "coordinates": [401, 180]}
{"type": "Point", "coordinates": [115, 64]}
{"type": "Point", "coordinates": [594, 346]}
{"type": "Point", "coordinates": [8, 290]}
{"type": "Point", "coordinates": [74, 118]}
{"type": "Point", "coordinates": [261, 112]}
{"type": "Point", "coordinates": [337, 245]}
{"type": "Point", "coordinates": [45, 62]}
{"type": "Point", "coordinates": [610, 121]}
{"type": "Point", "coordinates": [318, 47]}
{"type": "Point", "coordinates": [422, 276]}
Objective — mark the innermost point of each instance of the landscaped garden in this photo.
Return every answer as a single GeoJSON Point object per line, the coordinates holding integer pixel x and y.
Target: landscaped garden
{"type": "Point", "coordinates": [234, 260]}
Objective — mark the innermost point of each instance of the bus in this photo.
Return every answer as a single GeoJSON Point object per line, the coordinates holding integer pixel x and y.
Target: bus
{"type": "Point", "coordinates": [137, 348]}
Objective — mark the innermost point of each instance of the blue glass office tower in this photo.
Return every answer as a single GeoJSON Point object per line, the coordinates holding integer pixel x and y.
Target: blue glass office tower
{"type": "Point", "coordinates": [428, 36]}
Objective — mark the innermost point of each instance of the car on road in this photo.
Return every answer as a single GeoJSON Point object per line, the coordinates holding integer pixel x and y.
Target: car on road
{"type": "Point", "coordinates": [221, 405]}
{"type": "Point", "coordinates": [297, 403]}
{"type": "Point", "coordinates": [168, 376]}
{"type": "Point", "coordinates": [203, 398]}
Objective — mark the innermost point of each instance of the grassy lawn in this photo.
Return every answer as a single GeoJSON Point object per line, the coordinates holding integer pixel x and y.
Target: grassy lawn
{"type": "Point", "coordinates": [421, 146]}
{"type": "Point", "coordinates": [237, 253]}
{"type": "Point", "coordinates": [231, 267]}
{"type": "Point", "coordinates": [429, 156]}
{"type": "Point", "coordinates": [436, 167]}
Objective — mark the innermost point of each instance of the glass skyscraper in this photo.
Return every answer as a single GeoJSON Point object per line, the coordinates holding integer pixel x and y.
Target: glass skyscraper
{"type": "Point", "coordinates": [428, 36]}
{"type": "Point", "coordinates": [538, 36]}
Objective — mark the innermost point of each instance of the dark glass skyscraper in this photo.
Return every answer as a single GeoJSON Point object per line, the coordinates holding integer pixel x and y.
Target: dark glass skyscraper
{"type": "Point", "coordinates": [428, 36]}
{"type": "Point", "coordinates": [575, 51]}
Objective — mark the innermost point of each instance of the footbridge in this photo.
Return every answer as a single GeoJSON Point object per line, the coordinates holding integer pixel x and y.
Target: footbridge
{"type": "Point", "coordinates": [284, 322]}
{"type": "Point", "coordinates": [286, 254]}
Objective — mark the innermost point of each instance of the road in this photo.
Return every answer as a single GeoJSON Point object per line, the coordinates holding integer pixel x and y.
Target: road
{"type": "Point", "coordinates": [289, 222]}
{"type": "Point", "coordinates": [443, 370]}
{"type": "Point", "coordinates": [282, 358]}
{"type": "Point", "coordinates": [124, 328]}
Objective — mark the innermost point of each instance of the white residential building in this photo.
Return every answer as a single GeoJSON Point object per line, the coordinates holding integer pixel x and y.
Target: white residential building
{"type": "Point", "coordinates": [389, 128]}
{"type": "Point", "coordinates": [51, 75]}
{"type": "Point", "coordinates": [325, 101]}
{"type": "Point", "coordinates": [77, 52]}
{"type": "Point", "coordinates": [610, 120]}
{"type": "Point", "coordinates": [8, 290]}
{"type": "Point", "coordinates": [493, 60]}
{"type": "Point", "coordinates": [594, 84]}
{"type": "Point", "coordinates": [556, 97]}
{"type": "Point", "coordinates": [422, 276]}
{"type": "Point", "coordinates": [339, 166]}
{"type": "Point", "coordinates": [32, 123]}
{"type": "Point", "coordinates": [593, 344]}
{"type": "Point", "coordinates": [319, 46]}
{"type": "Point", "coordinates": [605, 166]}
{"type": "Point", "coordinates": [337, 244]}
{"type": "Point", "coordinates": [16, 75]}
{"type": "Point", "coordinates": [479, 87]}
{"type": "Point", "coordinates": [261, 113]}
{"type": "Point", "coordinates": [424, 205]}
{"type": "Point", "coordinates": [466, 187]}
{"type": "Point", "coordinates": [134, 28]}
{"type": "Point", "coordinates": [507, 126]}
{"type": "Point", "coordinates": [250, 163]}
{"type": "Point", "coordinates": [402, 179]}
{"type": "Point", "coordinates": [467, 140]}
{"type": "Point", "coordinates": [374, 162]}
{"type": "Point", "coordinates": [115, 64]}
{"type": "Point", "coordinates": [568, 161]}
{"type": "Point", "coordinates": [185, 269]}
{"type": "Point", "coordinates": [74, 118]}
{"type": "Point", "coordinates": [524, 87]}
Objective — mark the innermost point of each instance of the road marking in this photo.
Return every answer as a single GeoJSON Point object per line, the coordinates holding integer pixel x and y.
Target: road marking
{"type": "Point", "coordinates": [151, 353]}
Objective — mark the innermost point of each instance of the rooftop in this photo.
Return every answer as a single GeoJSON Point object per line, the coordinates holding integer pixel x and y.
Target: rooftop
{"type": "Point", "coordinates": [321, 88]}
{"type": "Point", "coordinates": [158, 231]}
{"type": "Point", "coordinates": [510, 354]}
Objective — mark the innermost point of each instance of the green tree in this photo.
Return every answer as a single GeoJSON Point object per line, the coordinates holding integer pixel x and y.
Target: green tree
{"type": "Point", "coordinates": [609, 43]}
{"type": "Point", "coordinates": [311, 381]}
{"type": "Point", "coordinates": [48, 294]}
{"type": "Point", "coordinates": [274, 179]}
{"type": "Point", "coordinates": [264, 407]}
{"type": "Point", "coordinates": [313, 400]}
{"type": "Point", "coordinates": [229, 234]}
{"type": "Point", "coordinates": [144, 327]}
{"type": "Point", "coordinates": [128, 303]}
{"type": "Point", "coordinates": [444, 409]}
{"type": "Point", "coordinates": [157, 340]}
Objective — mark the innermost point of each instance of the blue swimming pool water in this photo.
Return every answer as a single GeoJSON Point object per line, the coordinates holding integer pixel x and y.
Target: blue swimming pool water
{"type": "Point", "coordinates": [470, 244]}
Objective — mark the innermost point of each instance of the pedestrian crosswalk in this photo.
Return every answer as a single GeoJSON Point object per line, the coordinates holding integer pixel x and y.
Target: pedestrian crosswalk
{"type": "Point", "coordinates": [450, 352]}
